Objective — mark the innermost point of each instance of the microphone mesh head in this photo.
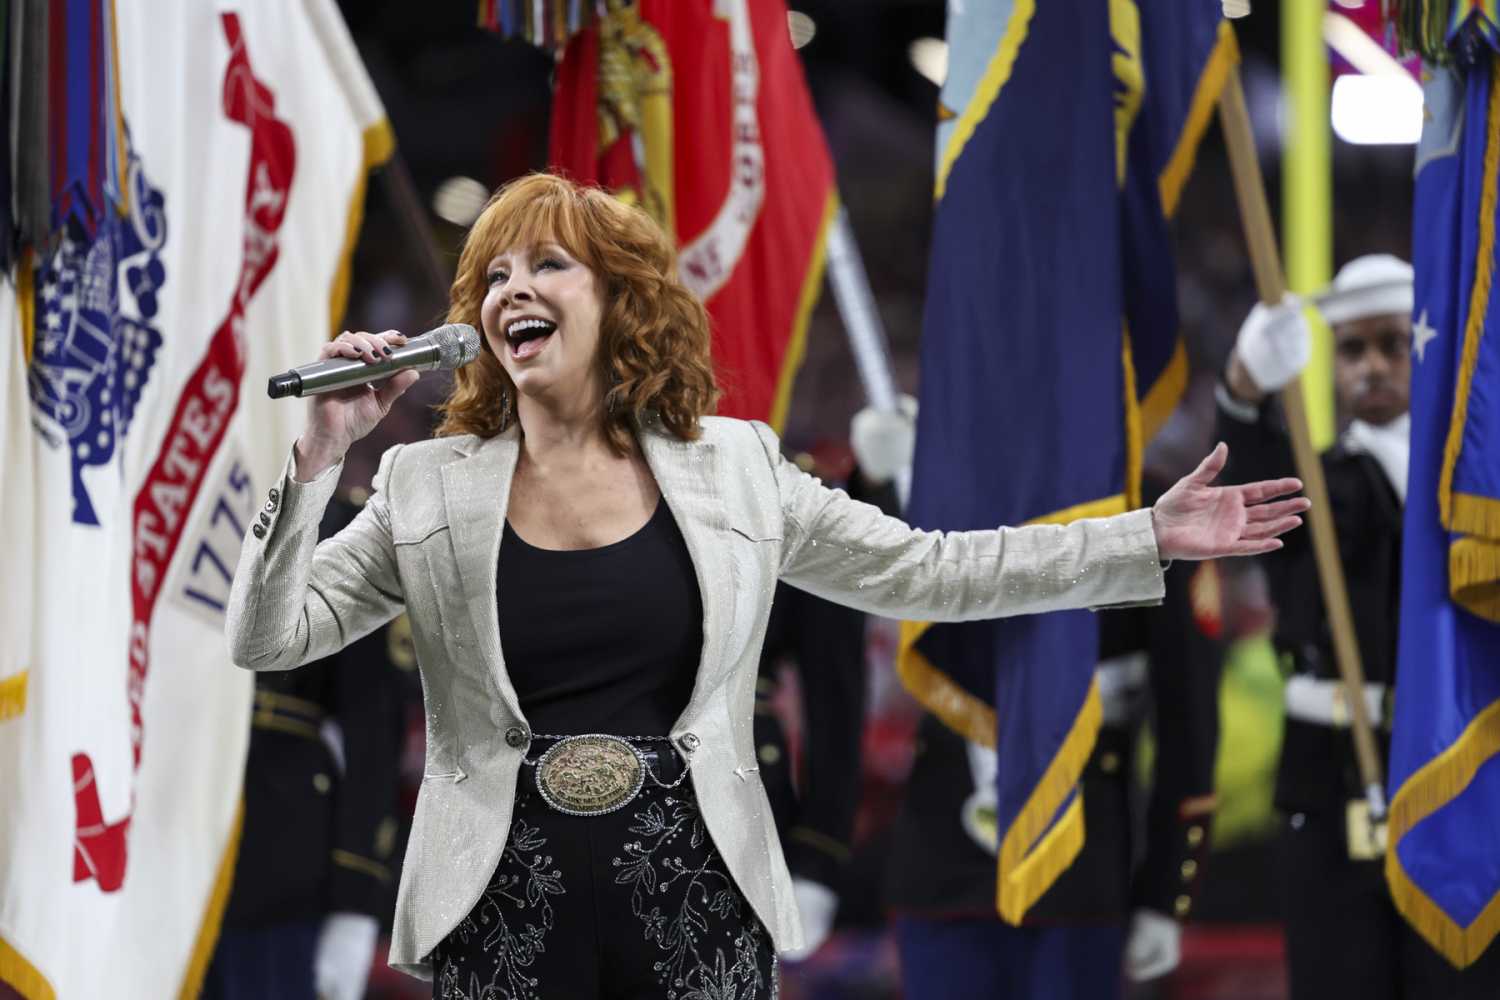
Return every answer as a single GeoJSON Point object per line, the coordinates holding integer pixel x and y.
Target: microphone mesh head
{"type": "Point", "coordinates": [457, 344]}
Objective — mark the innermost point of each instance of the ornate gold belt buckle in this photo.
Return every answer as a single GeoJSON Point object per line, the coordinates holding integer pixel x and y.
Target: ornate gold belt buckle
{"type": "Point", "coordinates": [590, 775]}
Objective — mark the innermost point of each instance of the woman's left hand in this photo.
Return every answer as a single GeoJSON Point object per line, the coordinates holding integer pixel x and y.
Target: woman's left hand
{"type": "Point", "coordinates": [1197, 520]}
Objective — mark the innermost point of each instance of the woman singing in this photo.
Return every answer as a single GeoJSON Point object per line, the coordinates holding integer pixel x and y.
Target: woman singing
{"type": "Point", "coordinates": [587, 559]}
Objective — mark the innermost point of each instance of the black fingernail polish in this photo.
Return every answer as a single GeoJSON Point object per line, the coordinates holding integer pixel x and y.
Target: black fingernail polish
{"type": "Point", "coordinates": [388, 350]}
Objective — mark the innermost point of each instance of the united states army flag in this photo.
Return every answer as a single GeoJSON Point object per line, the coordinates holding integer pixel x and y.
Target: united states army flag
{"type": "Point", "coordinates": [207, 189]}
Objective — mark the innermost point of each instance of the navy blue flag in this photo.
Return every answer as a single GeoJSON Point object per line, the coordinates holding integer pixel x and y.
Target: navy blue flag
{"type": "Point", "coordinates": [1050, 353]}
{"type": "Point", "coordinates": [1443, 864]}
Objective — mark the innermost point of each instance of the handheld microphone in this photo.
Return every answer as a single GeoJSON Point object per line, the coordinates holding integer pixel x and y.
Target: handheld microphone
{"type": "Point", "coordinates": [447, 347]}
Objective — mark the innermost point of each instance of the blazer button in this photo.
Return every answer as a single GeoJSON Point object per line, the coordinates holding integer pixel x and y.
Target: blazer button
{"type": "Point", "coordinates": [688, 742]}
{"type": "Point", "coordinates": [516, 736]}
{"type": "Point", "coordinates": [274, 494]}
{"type": "Point", "coordinates": [259, 529]}
{"type": "Point", "coordinates": [265, 519]}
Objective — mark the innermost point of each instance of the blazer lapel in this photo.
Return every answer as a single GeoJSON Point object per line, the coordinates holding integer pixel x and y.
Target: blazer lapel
{"type": "Point", "coordinates": [687, 473]}
{"type": "Point", "coordinates": [476, 493]}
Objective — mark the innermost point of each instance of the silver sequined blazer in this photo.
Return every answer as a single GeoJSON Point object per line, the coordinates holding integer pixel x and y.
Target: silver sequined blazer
{"type": "Point", "coordinates": [428, 541]}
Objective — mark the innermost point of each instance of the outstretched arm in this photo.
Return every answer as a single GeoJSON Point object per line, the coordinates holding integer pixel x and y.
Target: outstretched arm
{"type": "Point", "coordinates": [853, 554]}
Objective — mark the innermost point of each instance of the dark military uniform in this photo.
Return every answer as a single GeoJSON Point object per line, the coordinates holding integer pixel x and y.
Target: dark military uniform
{"type": "Point", "coordinates": [320, 829]}
{"type": "Point", "coordinates": [1344, 935]}
{"type": "Point", "coordinates": [814, 809]}
{"type": "Point", "coordinates": [941, 884]}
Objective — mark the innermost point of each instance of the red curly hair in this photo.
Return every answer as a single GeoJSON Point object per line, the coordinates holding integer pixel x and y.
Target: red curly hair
{"type": "Point", "coordinates": [654, 334]}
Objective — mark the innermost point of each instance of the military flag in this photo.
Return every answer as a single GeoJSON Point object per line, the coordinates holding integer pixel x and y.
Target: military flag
{"type": "Point", "coordinates": [208, 172]}
{"type": "Point", "coordinates": [1443, 864]}
{"type": "Point", "coordinates": [698, 111]}
{"type": "Point", "coordinates": [1050, 353]}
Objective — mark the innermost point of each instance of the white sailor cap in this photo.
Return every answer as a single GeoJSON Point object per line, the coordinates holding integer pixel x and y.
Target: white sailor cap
{"type": "Point", "coordinates": [1373, 285]}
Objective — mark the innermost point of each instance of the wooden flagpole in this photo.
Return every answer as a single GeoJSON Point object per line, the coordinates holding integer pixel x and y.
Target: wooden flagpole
{"type": "Point", "coordinates": [1270, 283]}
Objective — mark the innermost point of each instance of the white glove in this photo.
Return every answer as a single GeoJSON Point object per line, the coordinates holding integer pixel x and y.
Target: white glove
{"type": "Point", "coordinates": [346, 947]}
{"type": "Point", "coordinates": [1154, 947]}
{"type": "Point", "coordinates": [817, 904]}
{"type": "Point", "coordinates": [1274, 343]}
{"type": "Point", "coordinates": [884, 441]}
{"type": "Point", "coordinates": [980, 813]}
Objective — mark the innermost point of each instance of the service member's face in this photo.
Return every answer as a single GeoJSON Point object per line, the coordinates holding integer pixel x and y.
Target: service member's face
{"type": "Point", "coordinates": [1372, 366]}
{"type": "Point", "coordinates": [541, 317]}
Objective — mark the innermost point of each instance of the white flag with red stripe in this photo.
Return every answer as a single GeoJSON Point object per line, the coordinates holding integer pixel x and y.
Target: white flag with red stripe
{"type": "Point", "coordinates": [244, 140]}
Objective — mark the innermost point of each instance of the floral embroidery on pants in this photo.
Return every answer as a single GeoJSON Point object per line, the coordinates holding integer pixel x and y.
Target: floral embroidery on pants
{"type": "Point", "coordinates": [649, 912]}
{"type": "Point", "coordinates": [702, 959]}
{"type": "Point", "coordinates": [509, 924]}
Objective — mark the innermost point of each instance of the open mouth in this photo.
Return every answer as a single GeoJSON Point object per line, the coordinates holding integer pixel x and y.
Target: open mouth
{"type": "Point", "coordinates": [528, 335]}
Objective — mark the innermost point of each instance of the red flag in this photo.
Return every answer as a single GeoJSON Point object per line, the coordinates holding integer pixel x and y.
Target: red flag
{"type": "Point", "coordinates": [698, 111]}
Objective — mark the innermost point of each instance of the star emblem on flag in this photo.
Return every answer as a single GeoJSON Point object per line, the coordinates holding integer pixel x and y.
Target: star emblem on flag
{"type": "Point", "coordinates": [1422, 334]}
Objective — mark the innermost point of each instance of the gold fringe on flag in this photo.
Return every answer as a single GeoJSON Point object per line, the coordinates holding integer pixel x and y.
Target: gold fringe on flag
{"type": "Point", "coordinates": [1135, 442]}
{"type": "Point", "coordinates": [379, 144]}
{"type": "Point", "coordinates": [959, 710]}
{"type": "Point", "coordinates": [796, 346]}
{"type": "Point", "coordinates": [1027, 871]}
{"type": "Point", "coordinates": [21, 976]}
{"type": "Point", "coordinates": [1224, 57]}
{"type": "Point", "coordinates": [1474, 576]}
{"type": "Point", "coordinates": [1436, 784]}
{"type": "Point", "coordinates": [1166, 391]}
{"type": "Point", "coordinates": [213, 915]}
{"type": "Point", "coordinates": [26, 300]}
{"type": "Point", "coordinates": [995, 76]}
{"type": "Point", "coordinates": [13, 695]}
{"type": "Point", "coordinates": [1474, 567]}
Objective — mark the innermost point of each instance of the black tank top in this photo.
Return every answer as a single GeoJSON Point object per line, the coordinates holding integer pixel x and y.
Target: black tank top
{"type": "Point", "coordinates": [602, 640]}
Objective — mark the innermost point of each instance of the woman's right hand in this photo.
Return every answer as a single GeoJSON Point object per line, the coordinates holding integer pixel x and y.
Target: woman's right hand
{"type": "Point", "coordinates": [335, 420]}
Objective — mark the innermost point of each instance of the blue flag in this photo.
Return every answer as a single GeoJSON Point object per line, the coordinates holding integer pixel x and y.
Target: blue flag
{"type": "Point", "coordinates": [1050, 353]}
{"type": "Point", "coordinates": [1443, 864]}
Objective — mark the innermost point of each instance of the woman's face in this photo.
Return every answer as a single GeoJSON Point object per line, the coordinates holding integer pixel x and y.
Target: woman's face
{"type": "Point", "coordinates": [541, 318]}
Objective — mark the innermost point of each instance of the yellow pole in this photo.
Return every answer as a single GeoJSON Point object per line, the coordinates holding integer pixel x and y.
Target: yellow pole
{"type": "Point", "coordinates": [1307, 195]}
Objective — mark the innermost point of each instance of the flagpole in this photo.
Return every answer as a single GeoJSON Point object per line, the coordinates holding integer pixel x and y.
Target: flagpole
{"type": "Point", "coordinates": [867, 339]}
{"type": "Point", "coordinates": [1306, 189]}
{"type": "Point", "coordinates": [1270, 283]}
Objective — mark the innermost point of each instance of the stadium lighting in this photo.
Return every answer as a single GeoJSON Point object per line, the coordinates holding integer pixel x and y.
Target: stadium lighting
{"type": "Point", "coordinates": [459, 200]}
{"type": "Point", "coordinates": [1377, 110]}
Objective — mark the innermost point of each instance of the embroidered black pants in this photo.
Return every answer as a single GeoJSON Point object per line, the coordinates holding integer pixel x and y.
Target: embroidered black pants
{"type": "Point", "coordinates": [631, 905]}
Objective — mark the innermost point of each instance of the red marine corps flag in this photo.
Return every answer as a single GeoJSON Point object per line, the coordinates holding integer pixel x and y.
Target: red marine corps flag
{"type": "Point", "coordinates": [698, 111]}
